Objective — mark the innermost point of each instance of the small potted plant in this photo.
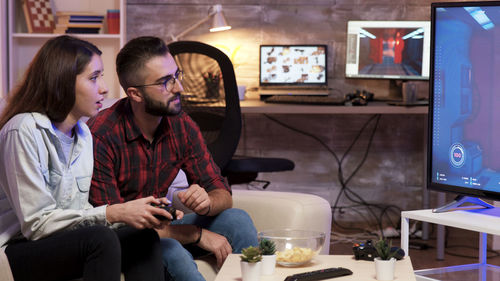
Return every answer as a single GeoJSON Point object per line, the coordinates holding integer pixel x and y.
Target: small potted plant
{"type": "Point", "coordinates": [384, 263]}
{"type": "Point", "coordinates": [268, 249]}
{"type": "Point", "coordinates": [251, 263]}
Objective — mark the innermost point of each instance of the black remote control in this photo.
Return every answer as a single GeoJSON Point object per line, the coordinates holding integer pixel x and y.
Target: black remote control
{"type": "Point", "coordinates": [167, 208]}
{"type": "Point", "coordinates": [319, 274]}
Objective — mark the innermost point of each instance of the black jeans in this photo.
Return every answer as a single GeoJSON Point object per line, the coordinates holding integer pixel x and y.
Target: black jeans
{"type": "Point", "coordinates": [95, 253]}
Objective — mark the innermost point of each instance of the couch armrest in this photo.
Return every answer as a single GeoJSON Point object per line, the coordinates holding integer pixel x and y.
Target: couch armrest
{"type": "Point", "coordinates": [274, 210]}
{"type": "Point", "coordinates": [271, 210]}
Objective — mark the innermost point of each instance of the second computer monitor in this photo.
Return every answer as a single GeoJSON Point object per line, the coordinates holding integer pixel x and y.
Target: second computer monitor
{"type": "Point", "coordinates": [388, 50]}
{"type": "Point", "coordinates": [293, 65]}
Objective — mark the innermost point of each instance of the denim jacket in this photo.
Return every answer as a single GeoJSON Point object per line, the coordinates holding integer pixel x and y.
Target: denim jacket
{"type": "Point", "coordinates": [41, 193]}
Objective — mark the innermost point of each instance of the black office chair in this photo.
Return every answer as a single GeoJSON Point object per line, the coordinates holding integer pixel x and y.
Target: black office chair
{"type": "Point", "coordinates": [211, 99]}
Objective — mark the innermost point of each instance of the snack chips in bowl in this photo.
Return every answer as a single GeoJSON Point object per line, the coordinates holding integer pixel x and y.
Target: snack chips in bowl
{"type": "Point", "coordinates": [295, 247]}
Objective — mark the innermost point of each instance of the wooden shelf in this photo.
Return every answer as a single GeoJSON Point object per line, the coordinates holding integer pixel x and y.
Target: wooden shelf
{"type": "Point", "coordinates": [51, 35]}
{"type": "Point", "coordinates": [375, 107]}
{"type": "Point", "coordinates": [23, 45]}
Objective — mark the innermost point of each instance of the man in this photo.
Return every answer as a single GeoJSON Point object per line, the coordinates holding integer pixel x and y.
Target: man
{"type": "Point", "coordinates": [140, 145]}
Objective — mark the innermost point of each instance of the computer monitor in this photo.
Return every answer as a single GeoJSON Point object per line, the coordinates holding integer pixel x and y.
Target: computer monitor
{"type": "Point", "coordinates": [388, 50]}
{"type": "Point", "coordinates": [464, 115]}
{"type": "Point", "coordinates": [293, 65]}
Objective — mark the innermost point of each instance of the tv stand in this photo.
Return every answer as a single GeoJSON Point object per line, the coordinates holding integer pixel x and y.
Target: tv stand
{"type": "Point", "coordinates": [484, 221]}
{"type": "Point", "coordinates": [460, 200]}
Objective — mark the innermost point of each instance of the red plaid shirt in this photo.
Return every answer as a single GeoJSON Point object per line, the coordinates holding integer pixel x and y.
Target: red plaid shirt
{"type": "Point", "coordinates": [127, 166]}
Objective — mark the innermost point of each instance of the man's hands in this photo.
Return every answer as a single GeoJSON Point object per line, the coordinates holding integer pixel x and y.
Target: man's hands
{"type": "Point", "coordinates": [217, 244]}
{"type": "Point", "coordinates": [210, 241]}
{"type": "Point", "coordinates": [139, 213]}
{"type": "Point", "coordinates": [212, 203]}
{"type": "Point", "coordinates": [196, 199]}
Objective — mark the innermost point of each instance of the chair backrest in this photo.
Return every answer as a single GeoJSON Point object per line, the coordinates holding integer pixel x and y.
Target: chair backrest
{"type": "Point", "coordinates": [219, 122]}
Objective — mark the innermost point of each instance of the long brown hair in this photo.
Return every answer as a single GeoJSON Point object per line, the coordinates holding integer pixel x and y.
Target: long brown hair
{"type": "Point", "coordinates": [48, 86]}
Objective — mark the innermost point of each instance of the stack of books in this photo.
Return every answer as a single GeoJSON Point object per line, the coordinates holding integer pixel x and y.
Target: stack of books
{"type": "Point", "coordinates": [75, 22]}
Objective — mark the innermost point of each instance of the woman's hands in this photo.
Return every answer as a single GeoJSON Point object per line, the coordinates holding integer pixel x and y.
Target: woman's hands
{"type": "Point", "coordinates": [140, 213]}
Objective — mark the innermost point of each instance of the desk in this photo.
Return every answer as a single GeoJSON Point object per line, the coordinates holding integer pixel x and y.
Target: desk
{"type": "Point", "coordinates": [362, 270]}
{"type": "Point", "coordinates": [484, 221]}
{"type": "Point", "coordinates": [254, 105]}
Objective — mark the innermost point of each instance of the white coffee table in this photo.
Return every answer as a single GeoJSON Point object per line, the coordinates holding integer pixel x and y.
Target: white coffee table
{"type": "Point", "coordinates": [362, 270]}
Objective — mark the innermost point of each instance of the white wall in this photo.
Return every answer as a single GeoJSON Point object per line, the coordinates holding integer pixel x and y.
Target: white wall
{"type": "Point", "coordinates": [3, 48]}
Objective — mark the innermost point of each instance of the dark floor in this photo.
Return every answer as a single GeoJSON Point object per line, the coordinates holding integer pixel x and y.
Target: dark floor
{"type": "Point", "coordinates": [462, 248]}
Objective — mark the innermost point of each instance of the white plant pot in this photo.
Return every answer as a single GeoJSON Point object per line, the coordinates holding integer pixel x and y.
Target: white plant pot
{"type": "Point", "coordinates": [385, 269]}
{"type": "Point", "coordinates": [268, 264]}
{"type": "Point", "coordinates": [250, 271]}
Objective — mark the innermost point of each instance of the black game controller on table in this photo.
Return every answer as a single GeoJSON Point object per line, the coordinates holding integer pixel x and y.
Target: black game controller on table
{"type": "Point", "coordinates": [358, 98]}
{"type": "Point", "coordinates": [167, 208]}
{"type": "Point", "coordinates": [366, 251]}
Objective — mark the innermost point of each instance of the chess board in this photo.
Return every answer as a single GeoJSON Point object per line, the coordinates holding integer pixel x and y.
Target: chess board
{"type": "Point", "coordinates": [39, 17]}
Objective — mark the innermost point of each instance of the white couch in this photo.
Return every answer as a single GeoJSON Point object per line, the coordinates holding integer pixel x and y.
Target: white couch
{"type": "Point", "coordinates": [279, 210]}
{"type": "Point", "coordinates": [268, 210]}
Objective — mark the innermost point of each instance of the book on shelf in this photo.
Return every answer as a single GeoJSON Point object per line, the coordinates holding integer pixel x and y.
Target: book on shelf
{"type": "Point", "coordinates": [79, 15]}
{"type": "Point", "coordinates": [38, 15]}
{"type": "Point", "coordinates": [67, 17]}
{"type": "Point", "coordinates": [61, 29]}
{"type": "Point", "coordinates": [113, 21]}
{"type": "Point", "coordinates": [81, 25]}
{"type": "Point", "coordinates": [82, 30]}
{"type": "Point", "coordinates": [78, 22]}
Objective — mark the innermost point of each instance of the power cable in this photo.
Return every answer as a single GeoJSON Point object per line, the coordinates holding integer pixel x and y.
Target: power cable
{"type": "Point", "coordinates": [344, 188]}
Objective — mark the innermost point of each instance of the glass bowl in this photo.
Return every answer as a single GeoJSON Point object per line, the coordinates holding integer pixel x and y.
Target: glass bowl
{"type": "Point", "coordinates": [294, 247]}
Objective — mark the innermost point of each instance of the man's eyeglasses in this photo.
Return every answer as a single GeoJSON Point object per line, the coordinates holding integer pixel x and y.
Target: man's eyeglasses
{"type": "Point", "coordinates": [169, 81]}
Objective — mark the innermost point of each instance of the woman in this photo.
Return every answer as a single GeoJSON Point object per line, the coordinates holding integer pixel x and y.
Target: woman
{"type": "Point", "coordinates": [48, 228]}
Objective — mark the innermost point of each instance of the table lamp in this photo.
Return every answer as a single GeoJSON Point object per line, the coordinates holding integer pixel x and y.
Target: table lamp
{"type": "Point", "coordinates": [219, 22]}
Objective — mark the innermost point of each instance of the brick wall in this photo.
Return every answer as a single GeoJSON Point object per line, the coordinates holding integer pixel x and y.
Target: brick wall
{"type": "Point", "coordinates": [394, 169]}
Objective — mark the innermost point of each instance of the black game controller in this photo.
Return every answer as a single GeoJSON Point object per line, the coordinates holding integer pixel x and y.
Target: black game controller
{"type": "Point", "coordinates": [167, 208]}
{"type": "Point", "coordinates": [366, 251]}
{"type": "Point", "coordinates": [358, 98]}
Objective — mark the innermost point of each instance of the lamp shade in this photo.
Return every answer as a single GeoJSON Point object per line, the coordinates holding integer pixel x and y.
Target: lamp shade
{"type": "Point", "coordinates": [219, 22]}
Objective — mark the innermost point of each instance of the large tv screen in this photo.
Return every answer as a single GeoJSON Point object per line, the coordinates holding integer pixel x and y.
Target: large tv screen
{"type": "Point", "coordinates": [388, 50]}
{"type": "Point", "coordinates": [464, 115]}
{"type": "Point", "coordinates": [293, 65]}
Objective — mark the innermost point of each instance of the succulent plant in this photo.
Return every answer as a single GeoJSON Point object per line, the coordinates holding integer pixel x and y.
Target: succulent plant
{"type": "Point", "coordinates": [251, 254]}
{"type": "Point", "coordinates": [385, 250]}
{"type": "Point", "coordinates": [267, 247]}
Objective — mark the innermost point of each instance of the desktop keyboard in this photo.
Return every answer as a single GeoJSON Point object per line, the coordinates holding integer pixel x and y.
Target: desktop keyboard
{"type": "Point", "coordinates": [298, 99]}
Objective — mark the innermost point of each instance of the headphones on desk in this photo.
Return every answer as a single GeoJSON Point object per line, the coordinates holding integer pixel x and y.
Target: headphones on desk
{"type": "Point", "coordinates": [358, 98]}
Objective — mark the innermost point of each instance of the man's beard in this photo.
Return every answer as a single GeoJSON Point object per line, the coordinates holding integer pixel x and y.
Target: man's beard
{"type": "Point", "coordinates": [157, 108]}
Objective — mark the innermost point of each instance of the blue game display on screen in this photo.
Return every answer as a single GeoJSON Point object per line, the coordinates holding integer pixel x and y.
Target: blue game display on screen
{"type": "Point", "coordinates": [464, 135]}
